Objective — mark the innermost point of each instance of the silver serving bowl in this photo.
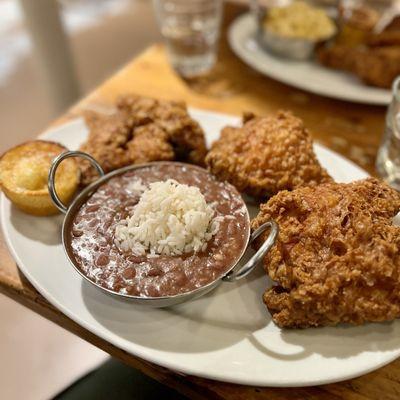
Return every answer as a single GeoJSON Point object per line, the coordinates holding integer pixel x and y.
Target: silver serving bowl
{"type": "Point", "coordinates": [234, 272]}
{"type": "Point", "coordinates": [291, 48]}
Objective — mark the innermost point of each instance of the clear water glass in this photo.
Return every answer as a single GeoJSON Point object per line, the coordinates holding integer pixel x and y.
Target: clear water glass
{"type": "Point", "coordinates": [191, 30]}
{"type": "Point", "coordinates": [388, 160]}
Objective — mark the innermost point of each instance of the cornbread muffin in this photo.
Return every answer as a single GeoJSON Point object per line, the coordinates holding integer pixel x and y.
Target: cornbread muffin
{"type": "Point", "coordinates": [23, 176]}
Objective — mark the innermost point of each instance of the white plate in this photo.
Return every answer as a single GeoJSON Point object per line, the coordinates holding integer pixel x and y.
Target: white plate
{"type": "Point", "coordinates": [306, 75]}
{"type": "Point", "coordinates": [227, 335]}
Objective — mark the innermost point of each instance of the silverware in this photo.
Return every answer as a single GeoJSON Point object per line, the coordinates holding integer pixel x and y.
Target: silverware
{"type": "Point", "coordinates": [233, 274]}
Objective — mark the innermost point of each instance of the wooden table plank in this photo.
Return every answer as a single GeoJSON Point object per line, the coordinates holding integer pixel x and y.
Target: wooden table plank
{"type": "Point", "coordinates": [352, 130]}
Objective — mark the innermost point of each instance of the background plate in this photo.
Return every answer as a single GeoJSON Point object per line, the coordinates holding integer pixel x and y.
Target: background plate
{"type": "Point", "coordinates": [227, 335]}
{"type": "Point", "coordinates": [306, 75]}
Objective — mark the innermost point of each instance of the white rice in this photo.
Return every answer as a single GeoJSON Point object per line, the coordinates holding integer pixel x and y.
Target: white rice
{"type": "Point", "coordinates": [170, 218]}
{"type": "Point", "coordinates": [136, 187]}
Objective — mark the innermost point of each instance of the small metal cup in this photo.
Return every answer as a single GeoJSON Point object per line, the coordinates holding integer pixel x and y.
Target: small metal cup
{"type": "Point", "coordinates": [233, 273]}
{"type": "Point", "coordinates": [291, 48]}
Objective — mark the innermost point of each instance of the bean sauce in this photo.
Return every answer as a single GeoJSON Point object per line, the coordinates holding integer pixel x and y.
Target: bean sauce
{"type": "Point", "coordinates": [92, 243]}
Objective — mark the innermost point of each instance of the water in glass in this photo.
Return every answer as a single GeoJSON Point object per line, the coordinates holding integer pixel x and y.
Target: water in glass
{"type": "Point", "coordinates": [388, 160]}
{"type": "Point", "coordinates": [191, 31]}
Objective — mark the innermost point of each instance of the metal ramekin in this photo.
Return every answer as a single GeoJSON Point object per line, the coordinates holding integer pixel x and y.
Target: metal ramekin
{"type": "Point", "coordinates": [287, 47]}
{"type": "Point", "coordinates": [231, 275]}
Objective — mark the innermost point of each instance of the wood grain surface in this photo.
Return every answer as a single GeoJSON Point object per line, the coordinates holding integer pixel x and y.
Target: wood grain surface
{"type": "Point", "coordinates": [350, 129]}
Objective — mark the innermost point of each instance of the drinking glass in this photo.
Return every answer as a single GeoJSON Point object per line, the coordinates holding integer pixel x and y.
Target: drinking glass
{"type": "Point", "coordinates": [388, 160]}
{"type": "Point", "coordinates": [191, 31]}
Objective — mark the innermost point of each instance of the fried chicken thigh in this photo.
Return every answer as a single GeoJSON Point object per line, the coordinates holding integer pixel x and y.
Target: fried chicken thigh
{"type": "Point", "coordinates": [337, 257]}
{"type": "Point", "coordinates": [142, 130]}
{"type": "Point", "coordinates": [266, 155]}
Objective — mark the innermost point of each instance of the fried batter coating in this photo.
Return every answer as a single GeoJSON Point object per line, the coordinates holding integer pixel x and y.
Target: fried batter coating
{"type": "Point", "coordinates": [338, 56]}
{"type": "Point", "coordinates": [150, 144]}
{"type": "Point", "coordinates": [376, 65]}
{"type": "Point", "coordinates": [337, 258]}
{"type": "Point", "coordinates": [184, 133]}
{"type": "Point", "coordinates": [142, 130]}
{"type": "Point", "coordinates": [108, 136]}
{"type": "Point", "coordinates": [386, 38]}
{"type": "Point", "coordinates": [373, 57]}
{"type": "Point", "coordinates": [266, 155]}
{"type": "Point", "coordinates": [379, 66]}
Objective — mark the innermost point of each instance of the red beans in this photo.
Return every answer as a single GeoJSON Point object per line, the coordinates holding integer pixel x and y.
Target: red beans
{"type": "Point", "coordinates": [101, 260]}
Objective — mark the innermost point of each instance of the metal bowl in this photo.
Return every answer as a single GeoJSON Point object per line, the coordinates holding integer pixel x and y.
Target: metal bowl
{"type": "Point", "coordinates": [291, 48]}
{"type": "Point", "coordinates": [233, 273]}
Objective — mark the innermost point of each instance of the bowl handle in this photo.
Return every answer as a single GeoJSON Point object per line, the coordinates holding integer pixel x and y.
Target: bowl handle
{"type": "Point", "coordinates": [259, 255]}
{"type": "Point", "coordinates": [52, 174]}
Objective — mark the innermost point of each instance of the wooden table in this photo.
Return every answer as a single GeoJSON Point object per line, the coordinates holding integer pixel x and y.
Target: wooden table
{"type": "Point", "coordinates": [353, 130]}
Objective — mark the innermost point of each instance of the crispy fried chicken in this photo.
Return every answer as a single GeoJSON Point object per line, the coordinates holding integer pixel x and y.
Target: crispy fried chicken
{"type": "Point", "coordinates": [266, 155]}
{"type": "Point", "coordinates": [337, 257]}
{"type": "Point", "coordinates": [373, 57]}
{"type": "Point", "coordinates": [375, 65]}
{"type": "Point", "coordinates": [142, 130]}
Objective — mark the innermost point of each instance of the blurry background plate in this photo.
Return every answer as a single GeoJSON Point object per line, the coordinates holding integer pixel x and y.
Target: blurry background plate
{"type": "Point", "coordinates": [306, 75]}
{"type": "Point", "coordinates": [227, 335]}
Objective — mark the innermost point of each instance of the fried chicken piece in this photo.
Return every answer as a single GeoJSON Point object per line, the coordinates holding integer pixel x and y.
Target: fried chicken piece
{"type": "Point", "coordinates": [266, 155]}
{"type": "Point", "coordinates": [376, 66]}
{"type": "Point", "coordinates": [184, 133]}
{"type": "Point", "coordinates": [150, 144]}
{"type": "Point", "coordinates": [386, 38]}
{"type": "Point", "coordinates": [142, 130]}
{"type": "Point", "coordinates": [337, 257]}
{"type": "Point", "coordinates": [374, 58]}
{"type": "Point", "coordinates": [362, 17]}
{"type": "Point", "coordinates": [107, 140]}
{"type": "Point", "coordinates": [338, 56]}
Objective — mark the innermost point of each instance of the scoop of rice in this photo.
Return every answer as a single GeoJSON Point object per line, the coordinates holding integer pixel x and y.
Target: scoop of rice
{"type": "Point", "coordinates": [170, 218]}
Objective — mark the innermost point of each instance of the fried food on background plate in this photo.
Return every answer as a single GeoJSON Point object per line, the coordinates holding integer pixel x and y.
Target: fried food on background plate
{"type": "Point", "coordinates": [23, 176]}
{"type": "Point", "coordinates": [142, 130]}
{"type": "Point", "coordinates": [379, 66]}
{"type": "Point", "coordinates": [337, 257]}
{"type": "Point", "coordinates": [184, 133]}
{"type": "Point", "coordinates": [375, 65]}
{"type": "Point", "coordinates": [338, 56]}
{"type": "Point", "coordinates": [107, 141]}
{"type": "Point", "coordinates": [373, 57]}
{"type": "Point", "coordinates": [266, 155]}
{"type": "Point", "coordinates": [385, 38]}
